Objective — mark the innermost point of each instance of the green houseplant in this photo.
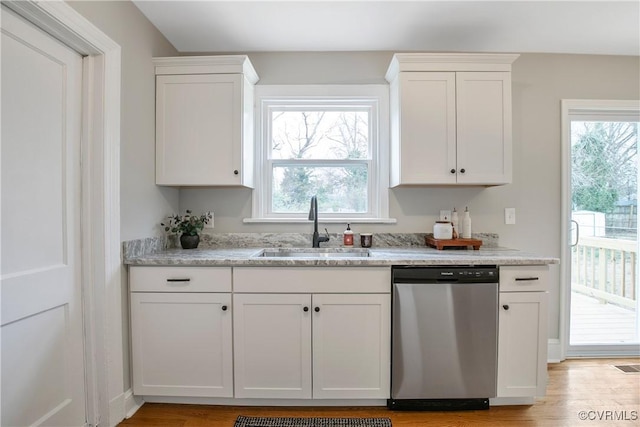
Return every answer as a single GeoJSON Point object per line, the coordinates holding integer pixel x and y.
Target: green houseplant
{"type": "Point", "coordinates": [188, 226]}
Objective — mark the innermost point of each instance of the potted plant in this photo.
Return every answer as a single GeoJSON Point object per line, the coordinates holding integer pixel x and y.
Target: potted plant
{"type": "Point", "coordinates": [187, 226]}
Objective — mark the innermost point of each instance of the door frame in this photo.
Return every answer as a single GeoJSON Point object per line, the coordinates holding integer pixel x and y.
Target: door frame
{"type": "Point", "coordinates": [100, 201]}
{"type": "Point", "coordinates": [569, 107]}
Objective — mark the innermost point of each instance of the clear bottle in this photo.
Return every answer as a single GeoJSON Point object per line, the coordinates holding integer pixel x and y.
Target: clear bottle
{"type": "Point", "coordinates": [348, 236]}
{"type": "Point", "coordinates": [466, 224]}
{"type": "Point", "coordinates": [454, 223]}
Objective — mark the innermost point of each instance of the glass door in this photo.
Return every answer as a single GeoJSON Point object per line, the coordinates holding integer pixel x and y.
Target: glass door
{"type": "Point", "coordinates": [603, 270]}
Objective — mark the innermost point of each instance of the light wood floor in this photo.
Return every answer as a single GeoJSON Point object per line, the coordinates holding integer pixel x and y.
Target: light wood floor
{"type": "Point", "coordinates": [574, 385]}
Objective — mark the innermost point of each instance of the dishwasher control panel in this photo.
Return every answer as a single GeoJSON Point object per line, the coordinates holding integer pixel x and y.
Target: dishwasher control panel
{"type": "Point", "coordinates": [446, 274]}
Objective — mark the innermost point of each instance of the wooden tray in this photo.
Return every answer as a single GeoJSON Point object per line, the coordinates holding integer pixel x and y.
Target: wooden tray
{"type": "Point", "coordinates": [452, 243]}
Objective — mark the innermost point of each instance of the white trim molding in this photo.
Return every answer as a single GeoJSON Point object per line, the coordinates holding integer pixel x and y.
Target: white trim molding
{"type": "Point", "coordinates": [588, 109]}
{"type": "Point", "coordinates": [100, 146]}
{"type": "Point", "coordinates": [373, 98]}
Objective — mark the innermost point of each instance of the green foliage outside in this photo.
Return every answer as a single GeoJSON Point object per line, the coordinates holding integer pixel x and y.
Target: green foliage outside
{"type": "Point", "coordinates": [300, 138]}
{"type": "Point", "coordinates": [604, 164]}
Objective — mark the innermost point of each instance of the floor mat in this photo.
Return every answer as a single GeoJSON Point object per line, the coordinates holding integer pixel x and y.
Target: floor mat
{"type": "Point", "coordinates": [243, 421]}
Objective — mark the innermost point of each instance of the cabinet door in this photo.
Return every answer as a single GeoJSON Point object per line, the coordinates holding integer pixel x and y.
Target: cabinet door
{"type": "Point", "coordinates": [272, 342]}
{"type": "Point", "coordinates": [522, 344]}
{"type": "Point", "coordinates": [182, 344]}
{"type": "Point", "coordinates": [199, 129]}
{"type": "Point", "coordinates": [425, 147]}
{"type": "Point", "coordinates": [351, 346]}
{"type": "Point", "coordinates": [483, 103]}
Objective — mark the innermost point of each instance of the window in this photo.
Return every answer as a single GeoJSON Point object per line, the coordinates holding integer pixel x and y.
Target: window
{"type": "Point", "coordinates": [328, 141]}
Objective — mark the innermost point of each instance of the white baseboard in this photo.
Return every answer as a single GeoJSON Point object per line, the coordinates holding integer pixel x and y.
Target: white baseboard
{"type": "Point", "coordinates": [116, 410]}
{"type": "Point", "coordinates": [132, 403]}
{"type": "Point", "coordinates": [554, 351]}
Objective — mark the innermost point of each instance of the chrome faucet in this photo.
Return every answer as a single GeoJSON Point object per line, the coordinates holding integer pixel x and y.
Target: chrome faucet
{"type": "Point", "coordinates": [313, 216]}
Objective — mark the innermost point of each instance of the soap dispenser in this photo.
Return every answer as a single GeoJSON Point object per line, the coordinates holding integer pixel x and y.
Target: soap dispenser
{"type": "Point", "coordinates": [348, 236]}
{"type": "Point", "coordinates": [466, 224]}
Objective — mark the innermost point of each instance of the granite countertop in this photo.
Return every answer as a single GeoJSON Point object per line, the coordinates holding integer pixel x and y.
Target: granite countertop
{"type": "Point", "coordinates": [386, 256]}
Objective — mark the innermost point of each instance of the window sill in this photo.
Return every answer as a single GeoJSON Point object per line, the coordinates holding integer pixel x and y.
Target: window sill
{"type": "Point", "coordinates": [320, 220]}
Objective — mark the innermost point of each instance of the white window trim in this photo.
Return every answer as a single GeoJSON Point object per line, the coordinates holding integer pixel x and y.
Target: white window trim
{"type": "Point", "coordinates": [585, 109]}
{"type": "Point", "coordinates": [379, 184]}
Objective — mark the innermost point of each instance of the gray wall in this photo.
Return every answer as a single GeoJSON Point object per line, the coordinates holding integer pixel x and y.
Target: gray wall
{"type": "Point", "coordinates": [142, 203]}
{"type": "Point", "coordinates": [540, 81]}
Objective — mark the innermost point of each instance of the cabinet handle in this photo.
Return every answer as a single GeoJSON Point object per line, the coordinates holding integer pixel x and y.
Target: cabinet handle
{"type": "Point", "coordinates": [178, 280]}
{"type": "Point", "coordinates": [506, 306]}
{"type": "Point", "coordinates": [224, 308]}
{"type": "Point", "coordinates": [452, 171]}
{"type": "Point", "coordinates": [305, 309]}
{"type": "Point", "coordinates": [235, 172]}
{"type": "Point", "coordinates": [462, 170]}
{"type": "Point", "coordinates": [317, 309]}
{"type": "Point", "coordinates": [526, 279]}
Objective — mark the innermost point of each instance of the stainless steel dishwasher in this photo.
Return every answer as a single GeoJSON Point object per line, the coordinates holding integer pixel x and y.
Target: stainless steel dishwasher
{"type": "Point", "coordinates": [444, 337]}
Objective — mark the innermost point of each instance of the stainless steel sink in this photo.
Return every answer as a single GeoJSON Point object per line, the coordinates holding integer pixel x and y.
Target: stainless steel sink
{"type": "Point", "coordinates": [313, 253]}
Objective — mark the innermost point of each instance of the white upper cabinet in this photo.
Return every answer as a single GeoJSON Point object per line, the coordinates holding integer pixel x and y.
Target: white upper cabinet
{"type": "Point", "coordinates": [204, 121]}
{"type": "Point", "coordinates": [450, 119]}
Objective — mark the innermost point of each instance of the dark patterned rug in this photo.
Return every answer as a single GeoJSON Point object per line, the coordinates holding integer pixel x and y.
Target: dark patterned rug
{"type": "Point", "coordinates": [243, 421]}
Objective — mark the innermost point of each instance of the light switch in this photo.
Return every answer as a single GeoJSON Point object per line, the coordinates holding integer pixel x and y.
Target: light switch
{"type": "Point", "coordinates": [510, 216]}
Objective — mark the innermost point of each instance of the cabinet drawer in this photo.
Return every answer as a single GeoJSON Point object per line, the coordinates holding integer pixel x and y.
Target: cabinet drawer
{"type": "Point", "coordinates": [524, 278]}
{"type": "Point", "coordinates": [180, 279]}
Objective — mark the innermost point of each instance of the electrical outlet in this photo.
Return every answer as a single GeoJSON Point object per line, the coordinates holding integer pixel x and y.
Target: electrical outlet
{"type": "Point", "coordinates": [445, 215]}
{"type": "Point", "coordinates": [210, 223]}
{"type": "Point", "coordinates": [510, 216]}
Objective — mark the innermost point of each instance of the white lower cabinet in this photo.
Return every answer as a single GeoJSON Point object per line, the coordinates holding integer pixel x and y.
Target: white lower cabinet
{"type": "Point", "coordinates": [351, 346]}
{"type": "Point", "coordinates": [522, 336]}
{"type": "Point", "coordinates": [321, 346]}
{"type": "Point", "coordinates": [272, 339]}
{"type": "Point", "coordinates": [312, 332]}
{"type": "Point", "coordinates": [181, 332]}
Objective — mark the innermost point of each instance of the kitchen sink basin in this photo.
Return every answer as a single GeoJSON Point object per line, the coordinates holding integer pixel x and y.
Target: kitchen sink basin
{"type": "Point", "coordinates": [313, 253]}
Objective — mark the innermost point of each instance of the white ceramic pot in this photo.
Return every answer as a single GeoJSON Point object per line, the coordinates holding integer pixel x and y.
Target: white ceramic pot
{"type": "Point", "coordinates": [442, 230]}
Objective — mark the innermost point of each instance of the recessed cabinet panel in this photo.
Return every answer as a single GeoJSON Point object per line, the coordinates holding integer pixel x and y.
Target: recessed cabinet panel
{"type": "Point", "coordinates": [181, 344]}
{"type": "Point", "coordinates": [522, 344]}
{"type": "Point", "coordinates": [272, 343]}
{"type": "Point", "coordinates": [484, 127]}
{"type": "Point", "coordinates": [351, 346]}
{"type": "Point", "coordinates": [198, 129]}
{"type": "Point", "coordinates": [427, 141]}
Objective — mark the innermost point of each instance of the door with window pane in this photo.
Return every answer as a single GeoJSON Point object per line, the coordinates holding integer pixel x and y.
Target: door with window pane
{"type": "Point", "coordinates": [603, 314]}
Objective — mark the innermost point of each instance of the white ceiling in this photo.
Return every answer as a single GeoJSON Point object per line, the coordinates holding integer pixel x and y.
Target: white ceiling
{"type": "Point", "coordinates": [588, 27]}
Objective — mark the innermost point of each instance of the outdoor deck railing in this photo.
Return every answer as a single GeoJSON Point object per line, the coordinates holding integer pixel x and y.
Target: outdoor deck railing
{"type": "Point", "coordinates": [606, 269]}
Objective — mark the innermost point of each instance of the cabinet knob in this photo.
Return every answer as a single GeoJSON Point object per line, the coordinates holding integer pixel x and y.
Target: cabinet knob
{"type": "Point", "coordinates": [453, 171]}
{"type": "Point", "coordinates": [462, 170]}
{"type": "Point", "coordinates": [317, 309]}
{"type": "Point", "coordinates": [305, 309]}
{"type": "Point", "coordinates": [235, 172]}
{"type": "Point", "coordinates": [506, 306]}
{"type": "Point", "coordinates": [224, 308]}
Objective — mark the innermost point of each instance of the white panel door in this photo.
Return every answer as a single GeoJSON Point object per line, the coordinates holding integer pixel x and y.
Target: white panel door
{"type": "Point", "coordinates": [522, 344]}
{"type": "Point", "coordinates": [483, 127]}
{"type": "Point", "coordinates": [182, 344]}
{"type": "Point", "coordinates": [351, 346]}
{"type": "Point", "coordinates": [428, 128]}
{"type": "Point", "coordinates": [272, 345]}
{"type": "Point", "coordinates": [43, 378]}
{"type": "Point", "coordinates": [198, 129]}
